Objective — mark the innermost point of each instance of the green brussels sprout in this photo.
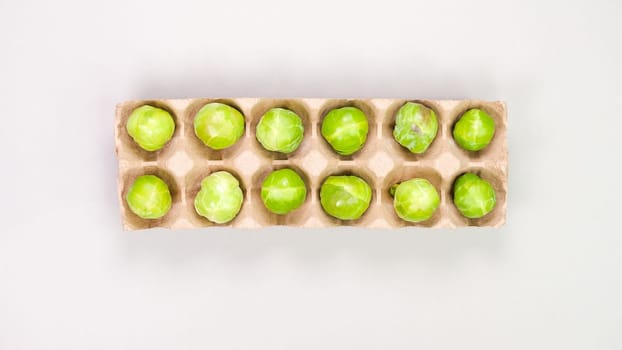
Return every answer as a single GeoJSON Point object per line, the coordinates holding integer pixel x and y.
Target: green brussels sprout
{"type": "Point", "coordinates": [345, 197]}
{"type": "Point", "coordinates": [415, 127]}
{"type": "Point", "coordinates": [474, 130]}
{"type": "Point", "coordinates": [280, 130]}
{"type": "Point", "coordinates": [150, 127]}
{"type": "Point", "coordinates": [345, 129]}
{"type": "Point", "coordinates": [473, 196]}
{"type": "Point", "coordinates": [415, 200]}
{"type": "Point", "coordinates": [283, 191]}
{"type": "Point", "coordinates": [218, 125]}
{"type": "Point", "coordinates": [220, 197]}
{"type": "Point", "coordinates": [149, 197]}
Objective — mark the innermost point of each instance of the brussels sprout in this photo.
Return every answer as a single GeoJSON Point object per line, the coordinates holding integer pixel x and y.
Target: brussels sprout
{"type": "Point", "coordinates": [345, 197]}
{"type": "Point", "coordinates": [345, 129]}
{"type": "Point", "coordinates": [283, 191]}
{"type": "Point", "coordinates": [149, 197]}
{"type": "Point", "coordinates": [415, 200]}
{"type": "Point", "coordinates": [220, 197]}
{"type": "Point", "coordinates": [474, 130]}
{"type": "Point", "coordinates": [415, 127]}
{"type": "Point", "coordinates": [280, 130]}
{"type": "Point", "coordinates": [150, 127]}
{"type": "Point", "coordinates": [218, 125]}
{"type": "Point", "coordinates": [473, 196]}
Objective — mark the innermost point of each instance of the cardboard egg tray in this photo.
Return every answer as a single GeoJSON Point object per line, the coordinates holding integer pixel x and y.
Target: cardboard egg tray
{"type": "Point", "coordinates": [185, 161]}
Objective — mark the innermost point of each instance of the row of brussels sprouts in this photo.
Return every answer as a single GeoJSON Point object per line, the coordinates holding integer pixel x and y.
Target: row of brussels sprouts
{"type": "Point", "coordinates": [345, 197]}
{"type": "Point", "coordinates": [220, 126]}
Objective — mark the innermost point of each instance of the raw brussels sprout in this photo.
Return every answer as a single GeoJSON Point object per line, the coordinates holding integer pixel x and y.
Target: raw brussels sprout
{"type": "Point", "coordinates": [218, 125]}
{"type": "Point", "coordinates": [220, 197]}
{"type": "Point", "coordinates": [415, 200]}
{"type": "Point", "coordinates": [345, 129]}
{"type": "Point", "coordinates": [150, 127]}
{"type": "Point", "coordinates": [283, 191]}
{"type": "Point", "coordinates": [149, 197]}
{"type": "Point", "coordinates": [474, 130]}
{"type": "Point", "coordinates": [345, 197]}
{"type": "Point", "coordinates": [280, 130]}
{"type": "Point", "coordinates": [473, 196]}
{"type": "Point", "coordinates": [415, 127]}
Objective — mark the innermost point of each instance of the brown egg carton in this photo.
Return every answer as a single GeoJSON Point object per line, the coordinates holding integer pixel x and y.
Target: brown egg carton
{"type": "Point", "coordinates": [185, 161]}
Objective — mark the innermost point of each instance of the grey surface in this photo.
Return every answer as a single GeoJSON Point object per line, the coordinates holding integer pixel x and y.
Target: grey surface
{"type": "Point", "coordinates": [71, 279]}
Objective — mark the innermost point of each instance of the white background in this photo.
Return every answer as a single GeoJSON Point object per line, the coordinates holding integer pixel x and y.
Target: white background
{"type": "Point", "coordinates": [70, 278]}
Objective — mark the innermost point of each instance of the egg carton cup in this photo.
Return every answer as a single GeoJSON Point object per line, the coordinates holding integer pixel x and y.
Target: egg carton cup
{"type": "Point", "coordinates": [184, 161]}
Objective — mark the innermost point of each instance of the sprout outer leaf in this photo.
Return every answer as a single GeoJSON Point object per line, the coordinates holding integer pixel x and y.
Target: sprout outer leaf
{"type": "Point", "coordinates": [149, 197]}
{"type": "Point", "coordinates": [416, 127]}
{"type": "Point", "coordinates": [473, 196]}
{"type": "Point", "coordinates": [345, 129]}
{"type": "Point", "coordinates": [280, 130]}
{"type": "Point", "coordinates": [416, 200]}
{"type": "Point", "coordinates": [345, 197]}
{"type": "Point", "coordinates": [283, 191]}
{"type": "Point", "coordinates": [220, 198]}
{"type": "Point", "coordinates": [474, 130]}
{"type": "Point", "coordinates": [218, 125]}
{"type": "Point", "coordinates": [150, 127]}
